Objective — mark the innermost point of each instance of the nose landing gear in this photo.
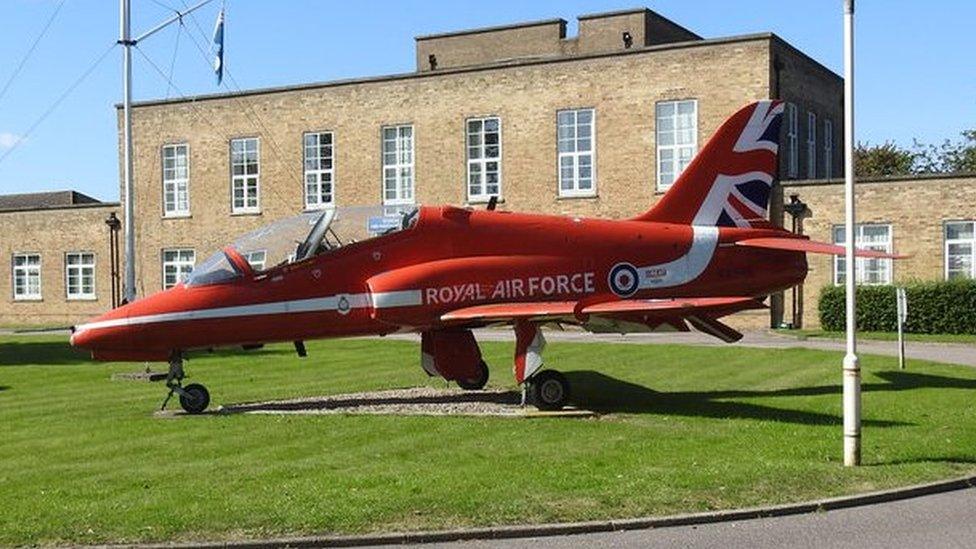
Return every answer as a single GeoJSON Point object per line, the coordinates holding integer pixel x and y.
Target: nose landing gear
{"type": "Point", "coordinates": [194, 398]}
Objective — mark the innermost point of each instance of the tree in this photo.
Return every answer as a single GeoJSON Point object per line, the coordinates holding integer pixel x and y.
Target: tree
{"type": "Point", "coordinates": [949, 157]}
{"type": "Point", "coordinates": [883, 160]}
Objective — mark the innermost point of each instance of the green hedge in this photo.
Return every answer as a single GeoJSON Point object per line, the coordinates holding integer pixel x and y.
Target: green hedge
{"type": "Point", "coordinates": [933, 308]}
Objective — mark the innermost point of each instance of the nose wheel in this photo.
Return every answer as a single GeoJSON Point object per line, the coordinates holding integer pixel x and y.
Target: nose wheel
{"type": "Point", "coordinates": [194, 398]}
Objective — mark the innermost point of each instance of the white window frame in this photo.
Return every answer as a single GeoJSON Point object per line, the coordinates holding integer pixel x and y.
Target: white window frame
{"type": "Point", "coordinates": [792, 141]}
{"type": "Point", "coordinates": [575, 156]}
{"type": "Point", "coordinates": [313, 168]}
{"type": "Point", "coordinates": [242, 179]}
{"type": "Point", "coordinates": [179, 264]}
{"type": "Point", "coordinates": [403, 161]}
{"type": "Point", "coordinates": [180, 186]}
{"type": "Point", "coordinates": [257, 259]}
{"type": "Point", "coordinates": [861, 263]}
{"type": "Point", "coordinates": [476, 142]}
{"type": "Point", "coordinates": [27, 270]}
{"type": "Point", "coordinates": [811, 145]}
{"type": "Point", "coordinates": [78, 270]}
{"type": "Point", "coordinates": [681, 153]}
{"type": "Point", "coordinates": [970, 241]}
{"type": "Point", "coordinates": [828, 148]}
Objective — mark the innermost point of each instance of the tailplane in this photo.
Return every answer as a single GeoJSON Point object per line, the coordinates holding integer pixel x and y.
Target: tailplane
{"type": "Point", "coordinates": [728, 183]}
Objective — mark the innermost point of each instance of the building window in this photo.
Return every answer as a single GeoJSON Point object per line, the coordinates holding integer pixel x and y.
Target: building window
{"type": "Point", "coordinates": [960, 249]}
{"type": "Point", "coordinates": [811, 145]}
{"type": "Point", "coordinates": [576, 131]}
{"type": "Point", "coordinates": [27, 276]}
{"type": "Point", "coordinates": [176, 180]}
{"type": "Point", "coordinates": [868, 270]}
{"type": "Point", "coordinates": [677, 139]}
{"type": "Point", "coordinates": [245, 175]}
{"type": "Point", "coordinates": [319, 170]}
{"type": "Point", "coordinates": [257, 259]}
{"type": "Point", "coordinates": [828, 148]}
{"type": "Point", "coordinates": [79, 275]}
{"type": "Point", "coordinates": [792, 131]}
{"type": "Point", "coordinates": [484, 158]}
{"type": "Point", "coordinates": [398, 180]}
{"type": "Point", "coordinates": [177, 265]}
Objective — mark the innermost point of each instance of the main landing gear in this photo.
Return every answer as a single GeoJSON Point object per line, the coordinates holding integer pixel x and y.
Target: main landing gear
{"type": "Point", "coordinates": [549, 390]}
{"type": "Point", "coordinates": [194, 398]}
{"type": "Point", "coordinates": [478, 382]}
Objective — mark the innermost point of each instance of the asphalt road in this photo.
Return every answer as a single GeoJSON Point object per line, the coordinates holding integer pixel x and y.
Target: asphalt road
{"type": "Point", "coordinates": [941, 520]}
{"type": "Point", "coordinates": [951, 353]}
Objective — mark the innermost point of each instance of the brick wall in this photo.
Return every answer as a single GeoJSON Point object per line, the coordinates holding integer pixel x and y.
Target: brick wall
{"type": "Point", "coordinates": [52, 233]}
{"type": "Point", "coordinates": [482, 46]}
{"type": "Point", "coordinates": [622, 88]}
{"type": "Point", "coordinates": [916, 208]}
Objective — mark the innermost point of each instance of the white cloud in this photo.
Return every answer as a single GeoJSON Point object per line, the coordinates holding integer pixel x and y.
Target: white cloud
{"type": "Point", "coordinates": [8, 140]}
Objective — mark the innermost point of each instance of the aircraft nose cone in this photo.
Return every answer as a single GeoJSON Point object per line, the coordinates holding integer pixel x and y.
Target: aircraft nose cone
{"type": "Point", "coordinates": [84, 339]}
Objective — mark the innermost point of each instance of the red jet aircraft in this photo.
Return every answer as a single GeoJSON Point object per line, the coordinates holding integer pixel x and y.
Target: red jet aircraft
{"type": "Point", "coordinates": [704, 251]}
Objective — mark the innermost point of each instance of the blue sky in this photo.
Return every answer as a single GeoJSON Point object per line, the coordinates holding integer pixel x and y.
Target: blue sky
{"type": "Point", "coordinates": [916, 74]}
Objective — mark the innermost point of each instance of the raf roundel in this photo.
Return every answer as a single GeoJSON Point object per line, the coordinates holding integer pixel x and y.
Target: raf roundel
{"type": "Point", "coordinates": [623, 279]}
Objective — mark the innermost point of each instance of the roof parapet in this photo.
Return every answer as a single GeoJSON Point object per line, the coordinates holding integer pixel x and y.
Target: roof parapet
{"type": "Point", "coordinates": [598, 33]}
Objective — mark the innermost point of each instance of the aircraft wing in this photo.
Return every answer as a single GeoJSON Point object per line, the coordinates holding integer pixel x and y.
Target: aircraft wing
{"type": "Point", "coordinates": [620, 316]}
{"type": "Point", "coordinates": [509, 312]}
{"type": "Point", "coordinates": [811, 246]}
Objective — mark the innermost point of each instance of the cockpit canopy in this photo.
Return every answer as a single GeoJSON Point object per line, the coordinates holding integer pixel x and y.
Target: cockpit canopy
{"type": "Point", "coordinates": [300, 237]}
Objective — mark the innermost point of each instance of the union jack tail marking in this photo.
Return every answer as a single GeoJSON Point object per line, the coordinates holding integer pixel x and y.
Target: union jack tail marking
{"type": "Point", "coordinates": [729, 181]}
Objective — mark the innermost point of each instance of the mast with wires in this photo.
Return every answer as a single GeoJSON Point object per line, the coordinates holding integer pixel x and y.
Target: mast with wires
{"type": "Point", "coordinates": [129, 284]}
{"type": "Point", "coordinates": [127, 42]}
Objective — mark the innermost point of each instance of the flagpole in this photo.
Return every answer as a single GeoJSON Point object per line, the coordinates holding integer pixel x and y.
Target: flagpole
{"type": "Point", "coordinates": [126, 41]}
{"type": "Point", "coordinates": [129, 285]}
{"type": "Point", "coordinates": [852, 367]}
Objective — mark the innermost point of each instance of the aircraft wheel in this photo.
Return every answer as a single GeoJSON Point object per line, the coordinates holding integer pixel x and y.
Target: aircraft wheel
{"type": "Point", "coordinates": [550, 390]}
{"type": "Point", "coordinates": [477, 383]}
{"type": "Point", "coordinates": [196, 398]}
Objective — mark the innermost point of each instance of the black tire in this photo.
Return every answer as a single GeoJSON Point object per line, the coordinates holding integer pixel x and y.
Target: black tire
{"type": "Point", "coordinates": [550, 390]}
{"type": "Point", "coordinates": [477, 383]}
{"type": "Point", "coordinates": [196, 399]}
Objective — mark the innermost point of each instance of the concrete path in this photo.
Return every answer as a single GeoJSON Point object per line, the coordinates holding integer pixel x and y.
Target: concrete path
{"type": "Point", "coordinates": [941, 520]}
{"type": "Point", "coordinates": [952, 353]}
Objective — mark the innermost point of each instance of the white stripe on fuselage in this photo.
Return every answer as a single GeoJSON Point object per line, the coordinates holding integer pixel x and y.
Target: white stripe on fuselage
{"type": "Point", "coordinates": [687, 267]}
{"type": "Point", "coordinates": [379, 300]}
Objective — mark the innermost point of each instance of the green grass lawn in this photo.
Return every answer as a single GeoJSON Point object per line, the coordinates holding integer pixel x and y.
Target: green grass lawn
{"type": "Point", "coordinates": [884, 336]}
{"type": "Point", "coordinates": [83, 460]}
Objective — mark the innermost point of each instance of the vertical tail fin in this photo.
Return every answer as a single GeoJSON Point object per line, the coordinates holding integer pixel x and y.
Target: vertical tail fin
{"type": "Point", "coordinates": [729, 181]}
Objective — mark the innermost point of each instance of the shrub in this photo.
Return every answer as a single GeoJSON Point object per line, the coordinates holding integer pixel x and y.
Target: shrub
{"type": "Point", "coordinates": [933, 308]}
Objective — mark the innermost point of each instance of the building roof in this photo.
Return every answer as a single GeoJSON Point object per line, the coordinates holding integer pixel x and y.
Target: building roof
{"type": "Point", "coordinates": [475, 68]}
{"type": "Point", "coordinates": [906, 178]}
{"type": "Point", "coordinates": [495, 28]}
{"type": "Point", "coordinates": [45, 200]}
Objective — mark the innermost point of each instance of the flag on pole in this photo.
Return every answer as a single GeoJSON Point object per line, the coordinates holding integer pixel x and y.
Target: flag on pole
{"type": "Point", "coordinates": [218, 47]}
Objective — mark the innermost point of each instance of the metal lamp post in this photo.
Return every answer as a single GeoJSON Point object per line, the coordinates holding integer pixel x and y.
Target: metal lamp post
{"type": "Point", "coordinates": [114, 224]}
{"type": "Point", "coordinates": [852, 366]}
{"type": "Point", "coordinates": [796, 208]}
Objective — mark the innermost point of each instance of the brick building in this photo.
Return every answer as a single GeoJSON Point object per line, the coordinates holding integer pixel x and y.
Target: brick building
{"type": "Point", "coordinates": [56, 246]}
{"type": "Point", "coordinates": [931, 218]}
{"type": "Point", "coordinates": [598, 124]}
